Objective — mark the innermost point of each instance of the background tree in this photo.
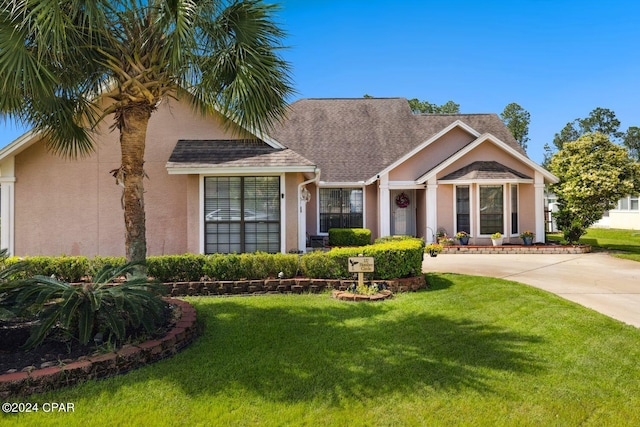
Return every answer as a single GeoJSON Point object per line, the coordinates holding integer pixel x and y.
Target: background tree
{"type": "Point", "coordinates": [601, 120]}
{"type": "Point", "coordinates": [631, 140]}
{"type": "Point", "coordinates": [67, 65]}
{"type": "Point", "coordinates": [517, 119]}
{"type": "Point", "coordinates": [594, 174]}
{"type": "Point", "coordinates": [425, 107]}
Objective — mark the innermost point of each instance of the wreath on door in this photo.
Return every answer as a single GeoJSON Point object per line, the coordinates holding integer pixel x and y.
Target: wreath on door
{"type": "Point", "coordinates": [402, 201]}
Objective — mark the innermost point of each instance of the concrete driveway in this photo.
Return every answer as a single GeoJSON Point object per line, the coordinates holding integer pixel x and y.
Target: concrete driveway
{"type": "Point", "coordinates": [596, 280]}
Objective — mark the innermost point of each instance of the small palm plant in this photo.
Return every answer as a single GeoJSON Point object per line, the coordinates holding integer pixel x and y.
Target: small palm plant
{"type": "Point", "coordinates": [85, 310]}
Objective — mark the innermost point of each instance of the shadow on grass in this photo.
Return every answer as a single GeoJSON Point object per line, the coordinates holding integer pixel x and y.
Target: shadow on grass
{"type": "Point", "coordinates": [634, 249]}
{"type": "Point", "coordinates": [290, 351]}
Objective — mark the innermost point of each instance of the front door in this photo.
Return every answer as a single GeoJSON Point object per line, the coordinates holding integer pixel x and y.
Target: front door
{"type": "Point", "coordinates": [403, 212]}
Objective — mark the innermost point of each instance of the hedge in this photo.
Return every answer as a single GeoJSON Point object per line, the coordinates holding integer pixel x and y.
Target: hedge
{"type": "Point", "coordinates": [349, 237]}
{"type": "Point", "coordinates": [393, 260]}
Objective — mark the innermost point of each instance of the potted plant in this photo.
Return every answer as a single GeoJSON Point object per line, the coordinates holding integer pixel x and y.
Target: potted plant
{"type": "Point", "coordinates": [496, 239]}
{"type": "Point", "coordinates": [463, 237]}
{"type": "Point", "coordinates": [433, 249]}
{"type": "Point", "coordinates": [527, 237]}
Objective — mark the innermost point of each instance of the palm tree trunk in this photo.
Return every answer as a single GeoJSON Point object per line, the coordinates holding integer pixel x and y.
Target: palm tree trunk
{"type": "Point", "coordinates": [133, 134]}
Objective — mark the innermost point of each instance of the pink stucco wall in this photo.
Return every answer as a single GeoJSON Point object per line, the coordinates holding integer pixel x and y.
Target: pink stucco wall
{"type": "Point", "coordinates": [431, 156]}
{"type": "Point", "coordinates": [73, 207]}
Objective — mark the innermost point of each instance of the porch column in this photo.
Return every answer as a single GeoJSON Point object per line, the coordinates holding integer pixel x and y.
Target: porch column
{"type": "Point", "coordinates": [432, 210]}
{"type": "Point", "coordinates": [384, 206]}
{"type": "Point", "coordinates": [7, 201]}
{"type": "Point", "coordinates": [539, 207]}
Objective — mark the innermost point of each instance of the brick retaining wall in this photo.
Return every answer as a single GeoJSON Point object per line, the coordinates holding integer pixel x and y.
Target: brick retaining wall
{"type": "Point", "coordinates": [516, 249]}
{"type": "Point", "coordinates": [105, 365]}
{"type": "Point", "coordinates": [280, 286]}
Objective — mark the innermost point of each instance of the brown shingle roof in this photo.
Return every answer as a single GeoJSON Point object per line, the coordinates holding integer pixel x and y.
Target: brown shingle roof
{"type": "Point", "coordinates": [232, 153]}
{"type": "Point", "coordinates": [485, 170]}
{"type": "Point", "coordinates": [352, 140]}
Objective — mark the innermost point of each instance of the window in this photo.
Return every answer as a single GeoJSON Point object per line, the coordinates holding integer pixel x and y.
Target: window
{"type": "Point", "coordinates": [514, 209]}
{"type": "Point", "coordinates": [629, 204]}
{"type": "Point", "coordinates": [491, 209]}
{"type": "Point", "coordinates": [340, 208]}
{"type": "Point", "coordinates": [242, 214]}
{"type": "Point", "coordinates": [463, 218]}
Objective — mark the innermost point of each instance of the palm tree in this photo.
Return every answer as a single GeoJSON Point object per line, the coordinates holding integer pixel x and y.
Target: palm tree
{"type": "Point", "coordinates": [68, 65]}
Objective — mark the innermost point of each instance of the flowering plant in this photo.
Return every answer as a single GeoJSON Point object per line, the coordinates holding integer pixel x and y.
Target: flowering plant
{"type": "Point", "coordinates": [496, 235]}
{"type": "Point", "coordinates": [433, 248]}
{"type": "Point", "coordinates": [527, 234]}
{"type": "Point", "coordinates": [461, 234]}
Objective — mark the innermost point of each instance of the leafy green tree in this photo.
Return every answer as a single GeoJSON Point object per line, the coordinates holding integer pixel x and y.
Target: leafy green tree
{"type": "Point", "coordinates": [601, 120]}
{"type": "Point", "coordinates": [67, 65]}
{"type": "Point", "coordinates": [425, 107]}
{"type": "Point", "coordinates": [594, 174]}
{"type": "Point", "coordinates": [517, 119]}
{"type": "Point", "coordinates": [631, 140]}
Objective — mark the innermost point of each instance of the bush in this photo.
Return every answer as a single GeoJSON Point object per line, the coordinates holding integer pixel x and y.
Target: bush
{"type": "Point", "coordinates": [176, 268]}
{"type": "Point", "coordinates": [349, 237]}
{"type": "Point", "coordinates": [392, 260]}
{"type": "Point", "coordinates": [259, 265]}
{"type": "Point", "coordinates": [85, 310]}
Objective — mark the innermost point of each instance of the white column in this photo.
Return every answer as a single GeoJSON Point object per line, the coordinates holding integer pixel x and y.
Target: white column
{"type": "Point", "coordinates": [384, 206]}
{"type": "Point", "coordinates": [539, 206]}
{"type": "Point", "coordinates": [432, 210]}
{"type": "Point", "coordinates": [7, 191]}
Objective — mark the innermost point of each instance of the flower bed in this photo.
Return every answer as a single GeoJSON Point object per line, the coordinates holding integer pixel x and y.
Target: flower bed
{"type": "Point", "coordinates": [105, 365]}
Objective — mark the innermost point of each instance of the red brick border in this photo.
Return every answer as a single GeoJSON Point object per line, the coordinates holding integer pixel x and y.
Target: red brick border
{"type": "Point", "coordinates": [517, 249]}
{"type": "Point", "coordinates": [105, 365]}
{"type": "Point", "coordinates": [298, 285]}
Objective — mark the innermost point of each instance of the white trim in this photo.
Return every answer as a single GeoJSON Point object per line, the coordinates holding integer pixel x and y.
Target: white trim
{"type": "Point", "coordinates": [19, 144]}
{"type": "Point", "coordinates": [423, 145]}
{"type": "Point", "coordinates": [339, 184]}
{"type": "Point", "coordinates": [283, 214]}
{"type": "Point", "coordinates": [497, 142]}
{"type": "Point", "coordinates": [486, 181]}
{"type": "Point", "coordinates": [405, 185]}
{"type": "Point", "coordinates": [238, 170]}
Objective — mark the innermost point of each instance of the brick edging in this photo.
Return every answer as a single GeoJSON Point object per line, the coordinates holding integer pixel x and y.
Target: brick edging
{"type": "Point", "coordinates": [284, 286]}
{"type": "Point", "coordinates": [517, 249]}
{"type": "Point", "coordinates": [105, 365]}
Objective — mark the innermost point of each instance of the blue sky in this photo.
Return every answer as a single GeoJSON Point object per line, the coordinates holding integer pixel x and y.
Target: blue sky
{"type": "Point", "coordinates": [557, 59]}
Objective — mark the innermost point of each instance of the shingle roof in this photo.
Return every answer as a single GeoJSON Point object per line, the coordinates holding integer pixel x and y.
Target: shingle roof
{"type": "Point", "coordinates": [485, 170]}
{"type": "Point", "coordinates": [232, 153]}
{"type": "Point", "coordinates": [352, 140]}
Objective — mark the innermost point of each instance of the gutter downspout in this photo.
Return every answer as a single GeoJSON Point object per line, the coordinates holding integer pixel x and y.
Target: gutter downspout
{"type": "Point", "coordinates": [302, 212]}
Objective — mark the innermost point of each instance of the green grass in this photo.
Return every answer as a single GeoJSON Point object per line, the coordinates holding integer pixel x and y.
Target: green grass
{"type": "Point", "coordinates": [625, 242]}
{"type": "Point", "coordinates": [471, 351]}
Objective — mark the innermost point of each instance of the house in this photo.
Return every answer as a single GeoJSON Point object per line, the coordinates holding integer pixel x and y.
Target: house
{"type": "Point", "coordinates": [332, 163]}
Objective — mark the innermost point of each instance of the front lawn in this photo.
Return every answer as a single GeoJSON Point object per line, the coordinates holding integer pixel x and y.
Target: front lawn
{"type": "Point", "coordinates": [470, 351]}
{"type": "Point", "coordinates": [625, 242]}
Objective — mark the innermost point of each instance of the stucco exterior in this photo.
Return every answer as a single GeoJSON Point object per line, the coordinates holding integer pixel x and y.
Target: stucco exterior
{"type": "Point", "coordinates": [54, 206]}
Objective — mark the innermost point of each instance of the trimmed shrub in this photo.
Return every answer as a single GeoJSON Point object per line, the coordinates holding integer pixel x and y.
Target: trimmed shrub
{"type": "Point", "coordinates": [393, 260]}
{"type": "Point", "coordinates": [349, 236]}
{"type": "Point", "coordinates": [259, 265]}
{"type": "Point", "coordinates": [176, 268]}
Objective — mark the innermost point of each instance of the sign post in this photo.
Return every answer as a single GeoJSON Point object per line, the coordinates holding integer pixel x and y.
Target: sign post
{"type": "Point", "coordinates": [361, 264]}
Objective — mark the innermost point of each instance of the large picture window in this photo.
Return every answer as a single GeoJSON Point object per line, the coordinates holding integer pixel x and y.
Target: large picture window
{"type": "Point", "coordinates": [491, 209]}
{"type": "Point", "coordinates": [463, 218]}
{"type": "Point", "coordinates": [242, 214]}
{"type": "Point", "coordinates": [340, 208]}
